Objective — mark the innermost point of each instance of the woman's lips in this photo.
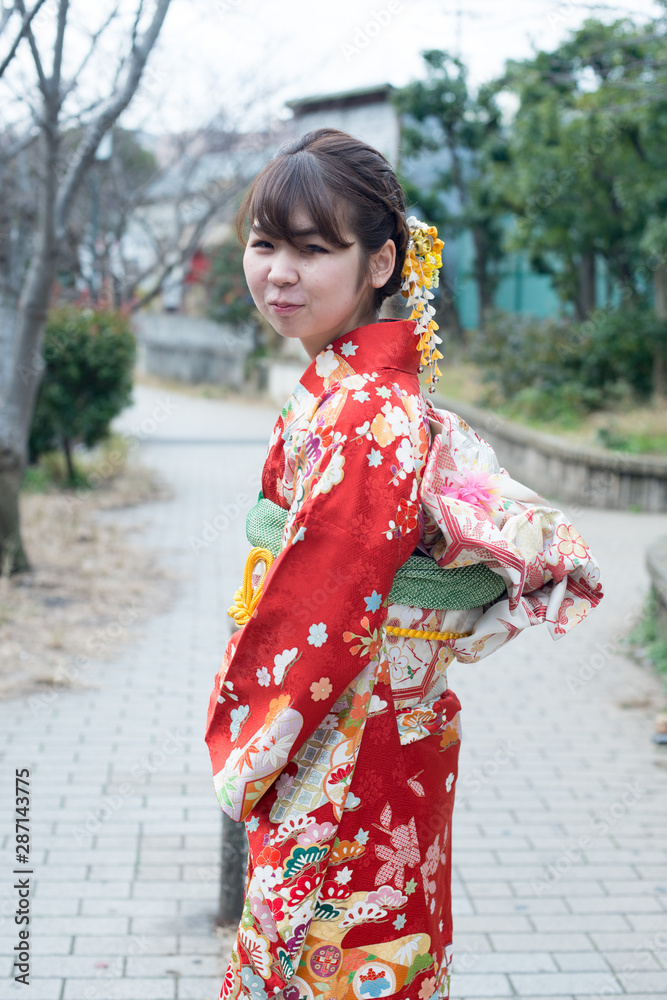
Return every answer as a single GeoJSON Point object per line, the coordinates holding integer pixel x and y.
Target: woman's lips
{"type": "Point", "coordinates": [285, 308]}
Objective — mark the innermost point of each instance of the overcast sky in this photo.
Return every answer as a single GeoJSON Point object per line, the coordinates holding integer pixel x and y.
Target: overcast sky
{"type": "Point", "coordinates": [251, 55]}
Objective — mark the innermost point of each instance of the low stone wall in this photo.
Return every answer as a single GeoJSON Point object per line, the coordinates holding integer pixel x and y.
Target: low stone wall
{"type": "Point", "coordinates": [191, 349]}
{"type": "Point", "coordinates": [589, 477]}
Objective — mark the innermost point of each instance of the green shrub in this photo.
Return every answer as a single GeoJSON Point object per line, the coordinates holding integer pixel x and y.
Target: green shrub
{"type": "Point", "coordinates": [555, 369]}
{"type": "Point", "coordinates": [87, 381]}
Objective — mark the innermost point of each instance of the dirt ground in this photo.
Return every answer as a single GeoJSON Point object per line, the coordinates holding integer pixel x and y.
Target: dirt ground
{"type": "Point", "coordinates": [87, 584]}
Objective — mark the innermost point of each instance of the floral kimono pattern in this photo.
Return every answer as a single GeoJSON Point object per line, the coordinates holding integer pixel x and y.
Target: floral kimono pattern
{"type": "Point", "coordinates": [335, 740]}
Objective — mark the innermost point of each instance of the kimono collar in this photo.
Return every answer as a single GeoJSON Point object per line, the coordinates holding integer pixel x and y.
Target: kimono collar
{"type": "Point", "coordinates": [367, 349]}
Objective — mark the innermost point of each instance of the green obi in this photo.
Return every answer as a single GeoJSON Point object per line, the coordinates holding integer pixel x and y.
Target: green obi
{"type": "Point", "coordinates": [419, 582]}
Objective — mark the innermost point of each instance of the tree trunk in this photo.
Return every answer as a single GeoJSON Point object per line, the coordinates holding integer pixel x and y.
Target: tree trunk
{"type": "Point", "coordinates": [13, 558]}
{"type": "Point", "coordinates": [67, 448]}
{"type": "Point", "coordinates": [587, 284]}
{"type": "Point", "coordinates": [660, 307]}
{"type": "Point", "coordinates": [481, 267]}
{"type": "Point", "coordinates": [19, 390]}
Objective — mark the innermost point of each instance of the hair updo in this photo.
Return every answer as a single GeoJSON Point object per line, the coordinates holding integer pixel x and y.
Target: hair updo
{"type": "Point", "coordinates": [343, 184]}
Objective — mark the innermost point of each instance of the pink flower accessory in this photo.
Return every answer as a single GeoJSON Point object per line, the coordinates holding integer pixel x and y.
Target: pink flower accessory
{"type": "Point", "coordinates": [474, 487]}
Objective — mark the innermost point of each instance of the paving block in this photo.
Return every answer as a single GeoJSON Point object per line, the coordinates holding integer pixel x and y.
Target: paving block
{"type": "Point", "coordinates": [562, 983]}
{"type": "Point", "coordinates": [540, 942]}
{"type": "Point", "coordinates": [581, 961]}
{"type": "Point", "coordinates": [120, 989]}
{"type": "Point", "coordinates": [49, 989]}
{"type": "Point", "coordinates": [505, 962]}
{"type": "Point", "coordinates": [125, 944]}
{"type": "Point", "coordinates": [466, 985]}
{"type": "Point", "coordinates": [645, 982]}
{"type": "Point", "coordinates": [206, 988]}
{"type": "Point", "coordinates": [181, 965]}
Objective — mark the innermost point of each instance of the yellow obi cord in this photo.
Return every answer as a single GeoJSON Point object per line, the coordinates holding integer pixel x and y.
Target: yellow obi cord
{"type": "Point", "coordinates": [415, 633]}
{"type": "Point", "coordinates": [247, 597]}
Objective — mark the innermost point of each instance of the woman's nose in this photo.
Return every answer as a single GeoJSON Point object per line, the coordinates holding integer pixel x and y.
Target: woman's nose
{"type": "Point", "coordinates": [282, 270]}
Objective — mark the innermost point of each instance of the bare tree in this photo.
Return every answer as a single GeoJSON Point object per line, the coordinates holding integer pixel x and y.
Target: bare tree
{"type": "Point", "coordinates": [23, 309]}
{"type": "Point", "coordinates": [200, 199]}
{"type": "Point", "coordinates": [27, 17]}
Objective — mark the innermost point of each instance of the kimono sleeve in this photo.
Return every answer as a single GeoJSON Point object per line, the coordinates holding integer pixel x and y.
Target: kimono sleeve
{"type": "Point", "coordinates": [352, 523]}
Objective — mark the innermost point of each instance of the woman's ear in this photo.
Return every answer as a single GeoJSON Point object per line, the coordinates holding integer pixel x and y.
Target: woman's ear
{"type": "Point", "coordinates": [382, 264]}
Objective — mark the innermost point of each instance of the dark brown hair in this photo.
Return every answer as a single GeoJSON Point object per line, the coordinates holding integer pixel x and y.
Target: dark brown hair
{"type": "Point", "coordinates": [342, 184]}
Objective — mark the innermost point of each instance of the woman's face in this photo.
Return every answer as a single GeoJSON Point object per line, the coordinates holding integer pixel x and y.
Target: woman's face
{"type": "Point", "coordinates": [314, 292]}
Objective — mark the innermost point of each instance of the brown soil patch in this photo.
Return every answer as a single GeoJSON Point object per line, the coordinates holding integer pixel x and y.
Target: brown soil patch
{"type": "Point", "coordinates": [87, 590]}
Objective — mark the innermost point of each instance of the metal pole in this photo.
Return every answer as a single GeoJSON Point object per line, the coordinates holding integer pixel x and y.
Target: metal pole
{"type": "Point", "coordinates": [233, 863]}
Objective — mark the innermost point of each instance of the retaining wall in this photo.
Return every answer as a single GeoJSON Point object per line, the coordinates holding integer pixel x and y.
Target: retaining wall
{"type": "Point", "coordinates": [191, 349]}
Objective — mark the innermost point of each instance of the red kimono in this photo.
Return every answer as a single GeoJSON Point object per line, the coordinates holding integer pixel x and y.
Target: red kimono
{"type": "Point", "coordinates": [336, 740]}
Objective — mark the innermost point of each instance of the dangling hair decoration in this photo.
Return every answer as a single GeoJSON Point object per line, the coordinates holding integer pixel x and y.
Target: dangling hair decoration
{"type": "Point", "coordinates": [420, 274]}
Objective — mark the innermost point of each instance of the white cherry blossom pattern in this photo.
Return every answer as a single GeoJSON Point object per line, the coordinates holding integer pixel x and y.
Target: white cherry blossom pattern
{"type": "Point", "coordinates": [317, 635]}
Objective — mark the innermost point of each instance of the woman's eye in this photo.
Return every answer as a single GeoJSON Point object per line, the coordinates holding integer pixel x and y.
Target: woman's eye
{"type": "Point", "coordinates": [261, 244]}
{"type": "Point", "coordinates": [315, 248]}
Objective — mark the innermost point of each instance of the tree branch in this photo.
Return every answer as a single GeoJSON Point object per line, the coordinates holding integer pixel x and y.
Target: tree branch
{"type": "Point", "coordinates": [36, 58]}
{"type": "Point", "coordinates": [84, 62]}
{"type": "Point", "coordinates": [27, 19]}
{"type": "Point", "coordinates": [58, 51]}
{"type": "Point", "coordinates": [107, 117]}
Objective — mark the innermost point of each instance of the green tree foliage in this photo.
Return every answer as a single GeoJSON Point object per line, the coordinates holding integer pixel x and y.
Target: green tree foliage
{"type": "Point", "coordinates": [442, 114]}
{"type": "Point", "coordinates": [583, 175]}
{"type": "Point", "coordinates": [87, 381]}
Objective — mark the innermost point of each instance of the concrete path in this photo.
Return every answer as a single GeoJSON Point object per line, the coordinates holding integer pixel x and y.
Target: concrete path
{"type": "Point", "coordinates": [560, 836]}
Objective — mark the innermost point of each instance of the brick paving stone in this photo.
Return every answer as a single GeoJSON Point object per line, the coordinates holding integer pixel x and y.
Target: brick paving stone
{"type": "Point", "coordinates": [647, 982]}
{"type": "Point", "coordinates": [120, 989]}
{"type": "Point", "coordinates": [621, 942]}
{"type": "Point", "coordinates": [552, 984]}
{"type": "Point", "coordinates": [516, 961]}
{"type": "Point", "coordinates": [81, 890]}
{"type": "Point", "coordinates": [125, 944]}
{"type": "Point", "coordinates": [49, 989]}
{"type": "Point", "coordinates": [66, 966]}
{"type": "Point", "coordinates": [466, 985]}
{"type": "Point", "coordinates": [541, 904]}
{"type": "Point", "coordinates": [181, 965]}
{"type": "Point", "coordinates": [628, 905]}
{"type": "Point", "coordinates": [581, 961]}
{"type": "Point", "coordinates": [581, 922]}
{"type": "Point", "coordinates": [541, 942]}
{"type": "Point", "coordinates": [648, 921]}
{"type": "Point", "coordinates": [488, 922]}
{"type": "Point", "coordinates": [206, 988]}
{"type": "Point", "coordinates": [56, 907]}
{"type": "Point", "coordinates": [633, 961]}
{"type": "Point", "coordinates": [79, 925]}
{"type": "Point", "coordinates": [471, 944]}
{"type": "Point", "coordinates": [128, 907]}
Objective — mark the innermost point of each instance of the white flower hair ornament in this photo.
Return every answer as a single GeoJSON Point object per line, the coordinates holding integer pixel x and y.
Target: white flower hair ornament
{"type": "Point", "coordinates": [423, 260]}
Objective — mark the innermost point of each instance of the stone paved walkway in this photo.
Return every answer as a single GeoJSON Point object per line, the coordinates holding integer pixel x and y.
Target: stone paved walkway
{"type": "Point", "coordinates": [560, 835]}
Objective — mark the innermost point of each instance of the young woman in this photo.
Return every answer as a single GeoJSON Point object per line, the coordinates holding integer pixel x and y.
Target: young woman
{"type": "Point", "coordinates": [388, 542]}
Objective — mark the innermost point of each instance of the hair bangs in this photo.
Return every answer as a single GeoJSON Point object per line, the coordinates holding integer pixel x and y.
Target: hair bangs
{"type": "Point", "coordinates": [286, 186]}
